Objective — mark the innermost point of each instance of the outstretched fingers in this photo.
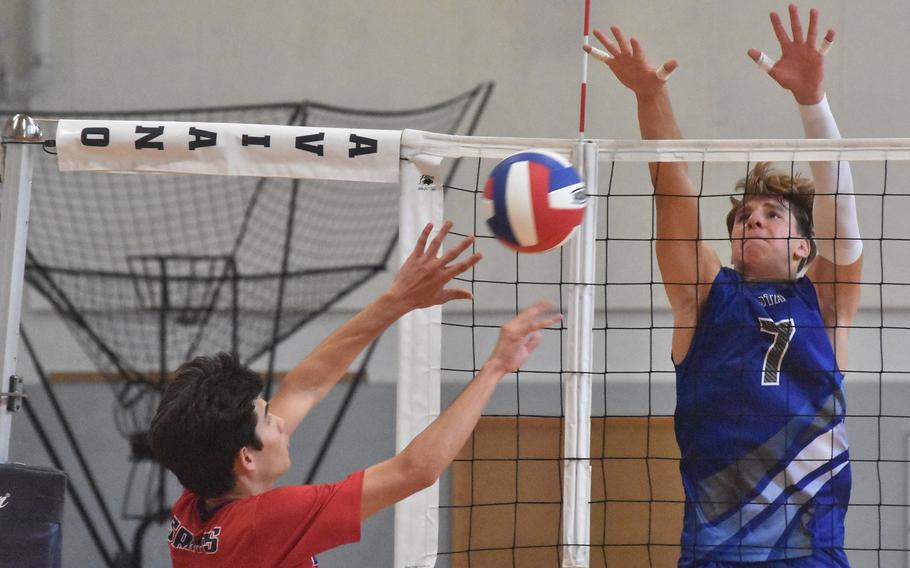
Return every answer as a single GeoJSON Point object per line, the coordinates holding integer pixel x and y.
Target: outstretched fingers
{"type": "Point", "coordinates": [764, 62]}
{"type": "Point", "coordinates": [535, 309]}
{"type": "Point", "coordinates": [596, 53]}
{"type": "Point", "coordinates": [625, 46]}
{"type": "Point", "coordinates": [812, 34]}
{"type": "Point", "coordinates": [456, 269]}
{"type": "Point", "coordinates": [454, 252]}
{"type": "Point", "coordinates": [421, 243]}
{"type": "Point", "coordinates": [796, 25]}
{"type": "Point", "coordinates": [433, 249]}
{"type": "Point", "coordinates": [668, 67]}
{"type": "Point", "coordinates": [532, 341]}
{"type": "Point", "coordinates": [521, 335]}
{"type": "Point", "coordinates": [779, 30]}
{"type": "Point", "coordinates": [550, 321]}
{"type": "Point", "coordinates": [825, 47]}
{"type": "Point", "coordinates": [450, 294]}
{"type": "Point", "coordinates": [662, 72]}
{"type": "Point", "coordinates": [800, 66]}
{"type": "Point", "coordinates": [421, 279]}
{"type": "Point", "coordinates": [637, 51]}
{"type": "Point", "coordinates": [539, 315]}
{"type": "Point", "coordinates": [609, 45]}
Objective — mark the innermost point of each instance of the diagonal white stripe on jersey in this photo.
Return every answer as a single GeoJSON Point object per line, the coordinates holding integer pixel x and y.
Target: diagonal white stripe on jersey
{"type": "Point", "coordinates": [819, 452]}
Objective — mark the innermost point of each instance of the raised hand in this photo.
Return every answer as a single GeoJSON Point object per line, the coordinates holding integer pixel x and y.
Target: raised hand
{"type": "Point", "coordinates": [520, 336]}
{"type": "Point", "coordinates": [422, 278]}
{"type": "Point", "coordinates": [626, 58]}
{"type": "Point", "coordinates": [800, 68]}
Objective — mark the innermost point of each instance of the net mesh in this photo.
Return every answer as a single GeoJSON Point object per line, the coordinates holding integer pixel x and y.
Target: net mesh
{"type": "Point", "coordinates": [211, 253]}
{"type": "Point", "coordinates": [501, 500]}
{"type": "Point", "coordinates": [150, 270]}
{"type": "Point", "coordinates": [206, 258]}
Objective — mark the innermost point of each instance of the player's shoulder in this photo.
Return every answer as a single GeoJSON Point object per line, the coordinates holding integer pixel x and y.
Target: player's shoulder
{"type": "Point", "coordinates": [726, 282]}
{"type": "Point", "coordinates": [188, 501]}
{"type": "Point", "coordinates": [298, 491]}
{"type": "Point", "coordinates": [728, 274]}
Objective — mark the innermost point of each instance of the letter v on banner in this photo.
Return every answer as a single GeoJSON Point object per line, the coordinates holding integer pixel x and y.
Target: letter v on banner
{"type": "Point", "coordinates": [302, 152]}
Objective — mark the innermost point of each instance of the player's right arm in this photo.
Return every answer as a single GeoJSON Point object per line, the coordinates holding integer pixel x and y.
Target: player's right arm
{"type": "Point", "coordinates": [420, 282]}
{"type": "Point", "coordinates": [421, 463]}
{"type": "Point", "coordinates": [688, 264]}
{"type": "Point", "coordinates": [837, 272]}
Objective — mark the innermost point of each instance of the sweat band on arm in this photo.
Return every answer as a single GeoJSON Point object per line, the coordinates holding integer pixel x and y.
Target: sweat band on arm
{"type": "Point", "coordinates": [834, 207]}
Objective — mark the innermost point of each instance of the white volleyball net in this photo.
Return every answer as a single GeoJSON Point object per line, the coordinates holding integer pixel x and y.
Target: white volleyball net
{"type": "Point", "coordinates": [513, 496]}
{"type": "Point", "coordinates": [575, 463]}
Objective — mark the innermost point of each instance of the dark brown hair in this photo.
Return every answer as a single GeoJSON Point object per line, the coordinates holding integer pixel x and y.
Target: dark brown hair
{"type": "Point", "coordinates": [205, 417]}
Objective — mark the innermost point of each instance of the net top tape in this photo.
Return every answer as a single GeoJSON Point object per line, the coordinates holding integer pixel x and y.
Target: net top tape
{"type": "Point", "coordinates": [863, 149]}
{"type": "Point", "coordinates": [414, 145]}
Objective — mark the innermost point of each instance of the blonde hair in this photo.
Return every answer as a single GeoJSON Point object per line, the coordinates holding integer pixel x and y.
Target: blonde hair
{"type": "Point", "coordinates": [798, 192]}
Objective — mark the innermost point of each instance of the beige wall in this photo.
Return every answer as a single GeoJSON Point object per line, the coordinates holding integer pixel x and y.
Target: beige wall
{"type": "Point", "coordinates": [132, 53]}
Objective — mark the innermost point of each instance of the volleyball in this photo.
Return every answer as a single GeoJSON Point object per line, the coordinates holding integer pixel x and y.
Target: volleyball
{"type": "Point", "coordinates": [534, 201]}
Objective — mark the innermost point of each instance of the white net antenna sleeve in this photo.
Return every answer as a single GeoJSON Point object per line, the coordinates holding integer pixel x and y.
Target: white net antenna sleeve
{"type": "Point", "coordinates": [578, 381]}
{"type": "Point", "coordinates": [419, 375]}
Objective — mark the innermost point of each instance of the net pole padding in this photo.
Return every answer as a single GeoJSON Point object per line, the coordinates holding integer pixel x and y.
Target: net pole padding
{"type": "Point", "coordinates": [419, 367]}
{"type": "Point", "coordinates": [577, 384]}
{"type": "Point", "coordinates": [14, 204]}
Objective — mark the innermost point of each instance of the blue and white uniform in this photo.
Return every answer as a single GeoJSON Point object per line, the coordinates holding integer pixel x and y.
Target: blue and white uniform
{"type": "Point", "coordinates": [760, 426]}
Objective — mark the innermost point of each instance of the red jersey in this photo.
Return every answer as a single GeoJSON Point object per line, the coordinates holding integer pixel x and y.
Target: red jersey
{"type": "Point", "coordinates": [282, 528]}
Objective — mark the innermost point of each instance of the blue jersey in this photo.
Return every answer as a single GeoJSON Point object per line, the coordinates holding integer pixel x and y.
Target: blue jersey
{"type": "Point", "coordinates": [760, 426]}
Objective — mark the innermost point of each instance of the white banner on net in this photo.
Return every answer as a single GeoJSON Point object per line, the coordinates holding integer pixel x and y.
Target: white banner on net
{"type": "Point", "coordinates": [213, 148]}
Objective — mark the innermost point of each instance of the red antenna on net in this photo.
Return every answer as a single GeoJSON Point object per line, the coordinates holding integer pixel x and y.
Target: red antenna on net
{"type": "Point", "coordinates": [584, 73]}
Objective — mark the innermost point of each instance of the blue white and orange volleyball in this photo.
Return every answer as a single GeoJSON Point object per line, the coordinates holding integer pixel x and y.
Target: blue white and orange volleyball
{"type": "Point", "coordinates": [534, 201]}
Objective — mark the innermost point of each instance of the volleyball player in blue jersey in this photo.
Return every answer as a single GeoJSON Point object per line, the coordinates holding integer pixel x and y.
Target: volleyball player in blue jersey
{"type": "Point", "coordinates": [758, 347]}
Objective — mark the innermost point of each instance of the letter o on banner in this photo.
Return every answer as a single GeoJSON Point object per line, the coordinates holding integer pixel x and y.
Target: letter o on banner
{"type": "Point", "coordinates": [96, 136]}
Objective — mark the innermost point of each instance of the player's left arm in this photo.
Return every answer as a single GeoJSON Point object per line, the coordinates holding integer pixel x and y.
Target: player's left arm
{"type": "Point", "coordinates": [420, 282]}
{"type": "Point", "coordinates": [425, 458]}
{"type": "Point", "coordinates": [838, 269]}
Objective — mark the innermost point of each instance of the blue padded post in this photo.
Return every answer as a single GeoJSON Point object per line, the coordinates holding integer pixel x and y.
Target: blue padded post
{"type": "Point", "coordinates": [31, 516]}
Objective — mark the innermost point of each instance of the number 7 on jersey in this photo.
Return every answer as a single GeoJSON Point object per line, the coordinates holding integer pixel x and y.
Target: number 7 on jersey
{"type": "Point", "coordinates": [782, 331]}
